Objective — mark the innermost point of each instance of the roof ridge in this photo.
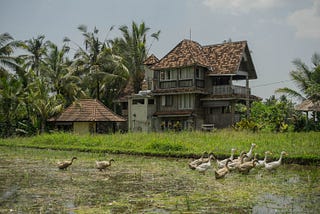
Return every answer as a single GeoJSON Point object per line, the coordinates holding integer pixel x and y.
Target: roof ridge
{"type": "Point", "coordinates": [240, 41]}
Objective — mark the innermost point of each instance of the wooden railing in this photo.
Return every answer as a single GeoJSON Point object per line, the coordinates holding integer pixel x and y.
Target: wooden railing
{"type": "Point", "coordinates": [181, 83]}
{"type": "Point", "coordinates": [229, 89]}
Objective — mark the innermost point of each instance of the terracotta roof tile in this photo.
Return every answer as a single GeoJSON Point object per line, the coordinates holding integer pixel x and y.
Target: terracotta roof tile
{"type": "Point", "coordinates": [186, 53]}
{"type": "Point", "coordinates": [225, 58]}
{"type": "Point", "coordinates": [152, 59]}
{"type": "Point", "coordinates": [87, 110]}
{"type": "Point", "coordinates": [308, 105]}
{"type": "Point", "coordinates": [222, 58]}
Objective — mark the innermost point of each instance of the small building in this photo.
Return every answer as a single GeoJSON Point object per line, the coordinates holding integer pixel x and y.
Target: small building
{"type": "Point", "coordinates": [87, 116]}
{"type": "Point", "coordinates": [309, 106]}
{"type": "Point", "coordinates": [142, 107]}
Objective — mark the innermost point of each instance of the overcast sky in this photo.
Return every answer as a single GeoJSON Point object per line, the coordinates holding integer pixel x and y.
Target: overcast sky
{"type": "Point", "coordinates": [277, 31]}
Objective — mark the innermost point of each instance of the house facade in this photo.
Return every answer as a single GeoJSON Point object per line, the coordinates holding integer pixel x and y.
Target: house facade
{"type": "Point", "coordinates": [196, 87]}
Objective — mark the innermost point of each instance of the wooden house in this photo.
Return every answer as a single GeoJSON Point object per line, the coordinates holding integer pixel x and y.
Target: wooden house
{"type": "Point", "coordinates": [195, 87]}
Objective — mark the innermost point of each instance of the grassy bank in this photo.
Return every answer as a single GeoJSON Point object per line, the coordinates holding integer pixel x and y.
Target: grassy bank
{"type": "Point", "coordinates": [302, 147]}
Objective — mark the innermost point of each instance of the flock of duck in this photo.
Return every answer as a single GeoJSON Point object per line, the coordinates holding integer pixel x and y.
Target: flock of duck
{"type": "Point", "coordinates": [100, 165]}
{"type": "Point", "coordinates": [243, 164]}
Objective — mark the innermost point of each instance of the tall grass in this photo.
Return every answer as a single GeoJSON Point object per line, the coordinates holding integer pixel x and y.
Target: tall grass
{"type": "Point", "coordinates": [300, 146]}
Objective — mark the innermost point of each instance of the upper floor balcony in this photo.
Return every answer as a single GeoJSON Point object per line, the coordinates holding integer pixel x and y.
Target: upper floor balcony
{"type": "Point", "coordinates": [181, 83]}
{"type": "Point", "coordinates": [229, 90]}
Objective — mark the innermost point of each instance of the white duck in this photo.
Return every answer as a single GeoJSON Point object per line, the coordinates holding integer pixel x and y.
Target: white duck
{"type": "Point", "coordinates": [275, 164]}
{"type": "Point", "coordinates": [202, 168]}
{"type": "Point", "coordinates": [250, 153]}
{"type": "Point", "coordinates": [261, 163]}
{"type": "Point", "coordinates": [222, 163]}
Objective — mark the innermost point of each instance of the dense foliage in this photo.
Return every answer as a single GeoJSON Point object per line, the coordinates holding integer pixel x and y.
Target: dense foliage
{"type": "Point", "coordinates": [41, 80]}
{"type": "Point", "coordinates": [277, 115]}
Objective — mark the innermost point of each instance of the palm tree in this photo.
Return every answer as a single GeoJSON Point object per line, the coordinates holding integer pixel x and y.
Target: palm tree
{"type": "Point", "coordinates": [97, 64]}
{"type": "Point", "coordinates": [36, 48]}
{"type": "Point", "coordinates": [43, 103]}
{"type": "Point", "coordinates": [306, 79]}
{"type": "Point", "coordinates": [7, 46]}
{"type": "Point", "coordinates": [58, 70]}
{"type": "Point", "coordinates": [11, 104]}
{"type": "Point", "coordinates": [133, 48]}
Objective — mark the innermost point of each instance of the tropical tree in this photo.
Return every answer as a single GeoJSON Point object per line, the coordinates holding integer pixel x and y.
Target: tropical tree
{"type": "Point", "coordinates": [42, 103]}
{"type": "Point", "coordinates": [36, 49]}
{"type": "Point", "coordinates": [306, 79]}
{"type": "Point", "coordinates": [132, 46]}
{"type": "Point", "coordinates": [7, 46]}
{"type": "Point", "coordinates": [11, 104]}
{"type": "Point", "coordinates": [60, 75]}
{"type": "Point", "coordinates": [97, 65]}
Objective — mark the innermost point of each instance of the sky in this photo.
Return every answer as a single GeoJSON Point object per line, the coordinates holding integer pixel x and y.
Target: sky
{"type": "Point", "coordinates": [277, 31]}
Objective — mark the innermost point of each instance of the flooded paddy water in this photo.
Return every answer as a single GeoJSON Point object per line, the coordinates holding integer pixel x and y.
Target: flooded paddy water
{"type": "Point", "coordinates": [30, 182]}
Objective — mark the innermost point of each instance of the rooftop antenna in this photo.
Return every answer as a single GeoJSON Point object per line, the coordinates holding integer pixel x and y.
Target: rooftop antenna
{"type": "Point", "coordinates": [190, 33]}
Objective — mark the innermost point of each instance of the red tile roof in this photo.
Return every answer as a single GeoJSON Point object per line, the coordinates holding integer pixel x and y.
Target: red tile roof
{"type": "Point", "coordinates": [225, 58]}
{"type": "Point", "coordinates": [152, 59]}
{"type": "Point", "coordinates": [222, 58]}
{"type": "Point", "coordinates": [186, 53]}
{"type": "Point", "coordinates": [87, 110]}
{"type": "Point", "coordinates": [308, 105]}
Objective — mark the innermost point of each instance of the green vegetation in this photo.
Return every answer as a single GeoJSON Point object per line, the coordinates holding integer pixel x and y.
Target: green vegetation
{"type": "Point", "coordinates": [31, 183]}
{"type": "Point", "coordinates": [302, 147]}
{"type": "Point", "coordinates": [40, 82]}
{"type": "Point", "coordinates": [43, 80]}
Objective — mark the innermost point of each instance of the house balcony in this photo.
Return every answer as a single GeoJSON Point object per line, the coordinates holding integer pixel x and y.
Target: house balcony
{"type": "Point", "coordinates": [229, 90]}
{"type": "Point", "coordinates": [181, 83]}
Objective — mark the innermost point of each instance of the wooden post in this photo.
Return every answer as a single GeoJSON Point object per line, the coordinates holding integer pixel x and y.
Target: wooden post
{"type": "Point", "coordinates": [247, 97]}
{"type": "Point", "coordinates": [232, 112]}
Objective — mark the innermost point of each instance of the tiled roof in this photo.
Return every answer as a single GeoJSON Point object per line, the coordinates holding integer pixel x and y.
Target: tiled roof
{"type": "Point", "coordinates": [87, 110]}
{"type": "Point", "coordinates": [225, 58]}
{"type": "Point", "coordinates": [186, 53]}
{"type": "Point", "coordinates": [308, 105]}
{"type": "Point", "coordinates": [152, 59]}
{"type": "Point", "coordinates": [222, 58]}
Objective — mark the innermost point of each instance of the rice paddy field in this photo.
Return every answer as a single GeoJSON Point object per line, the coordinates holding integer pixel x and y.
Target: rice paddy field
{"type": "Point", "coordinates": [30, 182]}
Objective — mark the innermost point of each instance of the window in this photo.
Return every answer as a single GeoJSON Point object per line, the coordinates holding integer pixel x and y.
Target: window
{"type": "Point", "coordinates": [162, 75]}
{"type": "Point", "coordinates": [138, 101]}
{"type": "Point", "coordinates": [199, 73]}
{"type": "Point", "coordinates": [168, 74]}
{"type": "Point", "coordinates": [167, 100]}
{"type": "Point", "coordinates": [186, 101]}
{"type": "Point", "coordinates": [150, 101]}
{"type": "Point", "coordinates": [186, 73]}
